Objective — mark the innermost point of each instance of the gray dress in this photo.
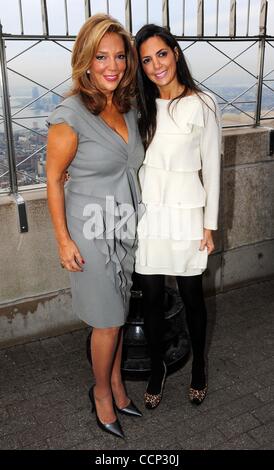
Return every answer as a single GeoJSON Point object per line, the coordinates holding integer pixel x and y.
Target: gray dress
{"type": "Point", "coordinates": [103, 203]}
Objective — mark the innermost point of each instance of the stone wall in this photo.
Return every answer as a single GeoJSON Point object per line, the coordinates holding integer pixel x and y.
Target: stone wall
{"type": "Point", "coordinates": [245, 239]}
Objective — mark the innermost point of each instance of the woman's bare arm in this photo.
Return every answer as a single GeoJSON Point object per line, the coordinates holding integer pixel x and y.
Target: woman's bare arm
{"type": "Point", "coordinates": [61, 149]}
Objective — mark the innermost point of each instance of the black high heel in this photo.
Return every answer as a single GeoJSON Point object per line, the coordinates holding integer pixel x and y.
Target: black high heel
{"type": "Point", "coordinates": [112, 428]}
{"type": "Point", "coordinates": [153, 400]}
{"type": "Point", "coordinates": [129, 410]}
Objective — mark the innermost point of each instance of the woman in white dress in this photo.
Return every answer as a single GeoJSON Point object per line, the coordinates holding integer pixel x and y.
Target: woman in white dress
{"type": "Point", "coordinates": [180, 180]}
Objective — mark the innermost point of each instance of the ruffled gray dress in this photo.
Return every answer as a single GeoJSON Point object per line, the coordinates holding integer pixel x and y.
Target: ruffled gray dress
{"type": "Point", "coordinates": [102, 201]}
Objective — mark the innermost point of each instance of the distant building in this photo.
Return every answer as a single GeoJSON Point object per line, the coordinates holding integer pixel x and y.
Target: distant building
{"type": "Point", "coordinates": [35, 93]}
{"type": "Point", "coordinates": [55, 99]}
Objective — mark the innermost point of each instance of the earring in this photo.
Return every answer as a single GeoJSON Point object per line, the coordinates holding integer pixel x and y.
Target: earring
{"type": "Point", "coordinates": [176, 53]}
{"type": "Point", "coordinates": [88, 72]}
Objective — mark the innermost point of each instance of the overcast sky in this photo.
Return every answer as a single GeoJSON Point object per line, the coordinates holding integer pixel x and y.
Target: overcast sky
{"type": "Point", "coordinates": [48, 63]}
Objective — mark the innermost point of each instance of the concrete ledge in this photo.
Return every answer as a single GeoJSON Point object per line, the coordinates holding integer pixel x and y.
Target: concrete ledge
{"type": "Point", "coordinates": [37, 317]}
{"type": "Point", "coordinates": [248, 264]}
{"type": "Point", "coordinates": [242, 146]}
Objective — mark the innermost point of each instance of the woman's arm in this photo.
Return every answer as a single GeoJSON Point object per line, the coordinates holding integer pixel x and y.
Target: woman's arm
{"type": "Point", "coordinates": [211, 165]}
{"type": "Point", "coordinates": [61, 149]}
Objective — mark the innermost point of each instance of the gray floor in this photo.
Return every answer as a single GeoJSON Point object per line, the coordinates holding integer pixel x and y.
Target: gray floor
{"type": "Point", "coordinates": [44, 384]}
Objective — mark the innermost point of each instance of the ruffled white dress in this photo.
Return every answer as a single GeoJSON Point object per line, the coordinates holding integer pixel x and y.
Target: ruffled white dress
{"type": "Point", "coordinates": [180, 183]}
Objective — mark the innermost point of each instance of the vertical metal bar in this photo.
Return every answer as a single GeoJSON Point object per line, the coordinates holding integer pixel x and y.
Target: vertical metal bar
{"type": "Point", "coordinates": [261, 58]}
{"type": "Point", "coordinates": [21, 17]}
{"type": "Point", "coordinates": [184, 17]}
{"type": "Point", "coordinates": [87, 9]}
{"type": "Point", "coordinates": [7, 115]}
{"type": "Point", "coordinates": [165, 13]}
{"type": "Point", "coordinates": [248, 18]}
{"type": "Point", "coordinates": [260, 80]}
{"type": "Point", "coordinates": [232, 18]}
{"type": "Point", "coordinates": [217, 18]}
{"type": "Point", "coordinates": [147, 15]}
{"type": "Point", "coordinates": [263, 17]}
{"type": "Point", "coordinates": [66, 17]}
{"type": "Point", "coordinates": [108, 7]}
{"type": "Point", "coordinates": [223, 236]}
{"type": "Point", "coordinates": [200, 18]}
{"type": "Point", "coordinates": [45, 21]}
{"type": "Point", "coordinates": [128, 15]}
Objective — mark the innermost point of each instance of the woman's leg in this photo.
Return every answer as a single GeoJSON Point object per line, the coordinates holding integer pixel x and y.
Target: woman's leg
{"type": "Point", "coordinates": [117, 385]}
{"type": "Point", "coordinates": [191, 291]}
{"type": "Point", "coordinates": [104, 343]}
{"type": "Point", "coordinates": [153, 289]}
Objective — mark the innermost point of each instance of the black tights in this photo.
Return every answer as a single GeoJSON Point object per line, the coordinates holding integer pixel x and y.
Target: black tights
{"type": "Point", "coordinates": [191, 291]}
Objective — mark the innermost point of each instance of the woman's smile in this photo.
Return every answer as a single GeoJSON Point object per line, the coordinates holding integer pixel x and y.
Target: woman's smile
{"type": "Point", "coordinates": [160, 75]}
{"type": "Point", "coordinates": [111, 78]}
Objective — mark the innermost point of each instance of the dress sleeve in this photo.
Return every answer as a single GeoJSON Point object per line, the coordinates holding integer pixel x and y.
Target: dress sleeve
{"type": "Point", "coordinates": [210, 146]}
{"type": "Point", "coordinates": [63, 114]}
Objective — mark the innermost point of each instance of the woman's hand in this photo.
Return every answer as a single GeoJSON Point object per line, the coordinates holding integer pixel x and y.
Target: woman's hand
{"type": "Point", "coordinates": [207, 241]}
{"type": "Point", "coordinates": [70, 257]}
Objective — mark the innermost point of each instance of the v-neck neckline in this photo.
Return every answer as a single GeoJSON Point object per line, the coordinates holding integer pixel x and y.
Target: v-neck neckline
{"type": "Point", "coordinates": [115, 132]}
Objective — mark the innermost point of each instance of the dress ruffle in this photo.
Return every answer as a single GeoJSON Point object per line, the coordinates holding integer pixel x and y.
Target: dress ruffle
{"type": "Point", "coordinates": [110, 244]}
{"type": "Point", "coordinates": [171, 223]}
{"type": "Point", "coordinates": [183, 118]}
{"type": "Point", "coordinates": [175, 160]}
{"type": "Point", "coordinates": [112, 228]}
{"type": "Point", "coordinates": [170, 257]}
{"type": "Point", "coordinates": [181, 131]}
{"type": "Point", "coordinates": [171, 188]}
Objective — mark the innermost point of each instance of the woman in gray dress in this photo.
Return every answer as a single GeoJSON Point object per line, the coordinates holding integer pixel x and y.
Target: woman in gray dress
{"type": "Point", "coordinates": [93, 134]}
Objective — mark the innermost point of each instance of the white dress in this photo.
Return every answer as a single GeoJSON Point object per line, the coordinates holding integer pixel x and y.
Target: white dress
{"type": "Point", "coordinates": [179, 199]}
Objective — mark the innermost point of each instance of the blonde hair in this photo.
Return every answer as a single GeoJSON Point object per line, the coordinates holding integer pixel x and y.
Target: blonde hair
{"type": "Point", "coordinates": [84, 50]}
